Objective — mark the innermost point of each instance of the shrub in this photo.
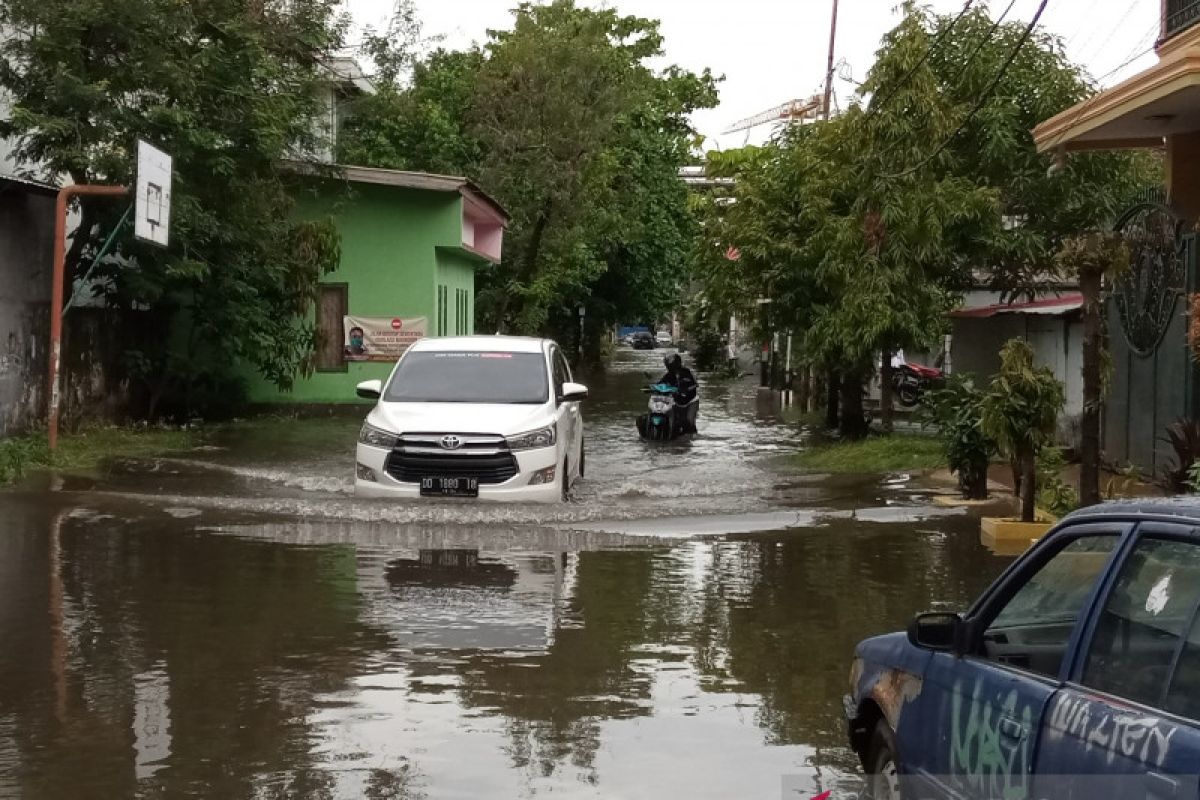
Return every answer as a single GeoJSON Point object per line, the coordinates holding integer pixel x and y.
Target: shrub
{"type": "Point", "coordinates": [1020, 411]}
{"type": "Point", "coordinates": [1053, 494]}
{"type": "Point", "coordinates": [1184, 437]}
{"type": "Point", "coordinates": [957, 410]}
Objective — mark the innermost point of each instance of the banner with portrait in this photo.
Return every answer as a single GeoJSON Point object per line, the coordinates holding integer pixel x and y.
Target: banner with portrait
{"type": "Point", "coordinates": [381, 338]}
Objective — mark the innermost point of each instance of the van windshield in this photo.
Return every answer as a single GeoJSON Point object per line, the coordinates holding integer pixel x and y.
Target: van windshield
{"type": "Point", "coordinates": [469, 377]}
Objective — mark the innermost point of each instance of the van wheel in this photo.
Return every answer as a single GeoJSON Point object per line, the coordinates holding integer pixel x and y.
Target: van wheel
{"type": "Point", "coordinates": [883, 772]}
{"type": "Point", "coordinates": [565, 481]}
{"type": "Point", "coordinates": [582, 456]}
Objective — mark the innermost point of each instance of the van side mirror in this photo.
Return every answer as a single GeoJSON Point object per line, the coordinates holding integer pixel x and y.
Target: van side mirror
{"type": "Point", "coordinates": [573, 392]}
{"type": "Point", "coordinates": [370, 390]}
{"type": "Point", "coordinates": [940, 631]}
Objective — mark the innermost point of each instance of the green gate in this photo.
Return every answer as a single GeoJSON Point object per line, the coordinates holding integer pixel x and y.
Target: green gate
{"type": "Point", "coordinates": [1154, 378]}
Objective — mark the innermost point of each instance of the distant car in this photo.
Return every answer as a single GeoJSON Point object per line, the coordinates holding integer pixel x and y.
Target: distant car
{"type": "Point", "coordinates": [663, 339]}
{"type": "Point", "coordinates": [643, 340]}
{"type": "Point", "coordinates": [488, 417]}
{"type": "Point", "coordinates": [1076, 675]}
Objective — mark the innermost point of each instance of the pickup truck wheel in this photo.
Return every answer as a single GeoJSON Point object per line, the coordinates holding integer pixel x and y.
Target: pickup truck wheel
{"type": "Point", "coordinates": [883, 773]}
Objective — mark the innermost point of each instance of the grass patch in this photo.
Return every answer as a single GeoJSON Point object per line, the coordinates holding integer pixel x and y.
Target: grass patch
{"type": "Point", "coordinates": [84, 450]}
{"type": "Point", "coordinates": [875, 454]}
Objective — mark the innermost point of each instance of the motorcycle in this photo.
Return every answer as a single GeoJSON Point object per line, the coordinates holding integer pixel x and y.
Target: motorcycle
{"type": "Point", "coordinates": [666, 419]}
{"type": "Point", "coordinates": [910, 381]}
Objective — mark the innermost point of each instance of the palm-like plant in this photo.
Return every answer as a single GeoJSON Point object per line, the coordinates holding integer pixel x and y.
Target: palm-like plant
{"type": "Point", "coordinates": [1020, 412]}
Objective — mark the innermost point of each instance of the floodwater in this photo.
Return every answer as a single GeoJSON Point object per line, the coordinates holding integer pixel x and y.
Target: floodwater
{"type": "Point", "coordinates": [230, 622]}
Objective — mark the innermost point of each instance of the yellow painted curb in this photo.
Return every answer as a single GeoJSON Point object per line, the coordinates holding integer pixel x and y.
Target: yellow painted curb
{"type": "Point", "coordinates": [1000, 533]}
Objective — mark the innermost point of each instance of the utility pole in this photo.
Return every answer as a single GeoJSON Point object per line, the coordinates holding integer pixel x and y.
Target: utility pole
{"type": "Point", "coordinates": [829, 67]}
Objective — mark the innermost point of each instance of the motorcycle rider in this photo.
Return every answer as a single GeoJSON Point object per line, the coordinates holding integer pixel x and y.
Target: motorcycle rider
{"type": "Point", "coordinates": [682, 379]}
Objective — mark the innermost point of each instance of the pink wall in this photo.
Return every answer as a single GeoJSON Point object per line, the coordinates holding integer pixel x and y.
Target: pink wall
{"type": "Point", "coordinates": [482, 231]}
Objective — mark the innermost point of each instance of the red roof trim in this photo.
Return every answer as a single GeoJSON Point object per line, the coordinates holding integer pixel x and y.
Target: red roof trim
{"type": "Point", "coordinates": [1068, 302]}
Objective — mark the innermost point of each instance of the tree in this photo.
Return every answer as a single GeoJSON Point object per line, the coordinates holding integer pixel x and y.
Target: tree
{"type": "Point", "coordinates": [866, 230]}
{"type": "Point", "coordinates": [1095, 260]}
{"type": "Point", "coordinates": [1020, 413]}
{"type": "Point", "coordinates": [563, 120]}
{"type": "Point", "coordinates": [229, 88]}
{"type": "Point", "coordinates": [1040, 207]}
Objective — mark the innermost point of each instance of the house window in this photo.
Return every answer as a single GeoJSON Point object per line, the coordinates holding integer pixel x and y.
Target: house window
{"type": "Point", "coordinates": [443, 302]}
{"type": "Point", "coordinates": [462, 312]}
{"type": "Point", "coordinates": [333, 303]}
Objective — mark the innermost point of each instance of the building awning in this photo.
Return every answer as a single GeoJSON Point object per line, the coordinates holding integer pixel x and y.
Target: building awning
{"type": "Point", "coordinates": [1052, 306]}
{"type": "Point", "coordinates": [1137, 113]}
{"type": "Point", "coordinates": [27, 184]}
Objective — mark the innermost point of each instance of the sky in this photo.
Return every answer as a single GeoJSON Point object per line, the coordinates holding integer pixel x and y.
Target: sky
{"type": "Point", "coordinates": [772, 51]}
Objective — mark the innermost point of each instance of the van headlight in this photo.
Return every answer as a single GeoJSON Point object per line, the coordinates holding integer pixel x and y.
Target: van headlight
{"type": "Point", "coordinates": [375, 437]}
{"type": "Point", "coordinates": [542, 437]}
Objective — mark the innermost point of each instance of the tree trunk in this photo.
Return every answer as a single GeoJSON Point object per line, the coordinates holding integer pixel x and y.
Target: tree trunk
{"type": "Point", "coordinates": [1028, 486]}
{"type": "Point", "coordinates": [833, 385]}
{"type": "Point", "coordinates": [802, 389]}
{"type": "Point", "coordinates": [974, 487]}
{"type": "Point", "coordinates": [886, 404]}
{"type": "Point", "coordinates": [1089, 435]}
{"type": "Point", "coordinates": [854, 421]}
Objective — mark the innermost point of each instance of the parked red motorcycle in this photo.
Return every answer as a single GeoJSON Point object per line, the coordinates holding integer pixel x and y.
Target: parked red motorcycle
{"type": "Point", "coordinates": [910, 381]}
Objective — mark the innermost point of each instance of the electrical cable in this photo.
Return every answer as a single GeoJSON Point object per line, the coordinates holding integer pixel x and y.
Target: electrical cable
{"type": "Point", "coordinates": [983, 98]}
{"type": "Point", "coordinates": [878, 103]}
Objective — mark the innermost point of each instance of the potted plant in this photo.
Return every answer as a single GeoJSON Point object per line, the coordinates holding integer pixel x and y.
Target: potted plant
{"type": "Point", "coordinates": [1020, 412]}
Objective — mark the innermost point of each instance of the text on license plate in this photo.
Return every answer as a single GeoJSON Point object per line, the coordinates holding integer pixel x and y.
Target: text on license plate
{"type": "Point", "coordinates": [452, 487]}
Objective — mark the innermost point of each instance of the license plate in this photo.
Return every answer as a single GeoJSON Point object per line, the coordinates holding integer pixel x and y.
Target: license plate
{"type": "Point", "coordinates": [450, 487]}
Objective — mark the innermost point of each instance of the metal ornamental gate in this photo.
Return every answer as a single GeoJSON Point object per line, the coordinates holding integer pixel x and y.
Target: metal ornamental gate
{"type": "Point", "coordinates": [1154, 377]}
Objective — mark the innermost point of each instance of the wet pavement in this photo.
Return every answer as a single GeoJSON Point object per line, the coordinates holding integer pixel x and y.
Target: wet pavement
{"type": "Point", "coordinates": [230, 622]}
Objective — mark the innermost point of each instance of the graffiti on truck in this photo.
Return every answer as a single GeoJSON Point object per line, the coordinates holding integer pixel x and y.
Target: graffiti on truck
{"type": "Point", "coordinates": [1116, 732]}
{"type": "Point", "coordinates": [990, 763]}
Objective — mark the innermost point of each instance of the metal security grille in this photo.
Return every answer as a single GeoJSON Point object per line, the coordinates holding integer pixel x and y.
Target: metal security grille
{"type": "Point", "coordinates": [1181, 15]}
{"type": "Point", "coordinates": [1147, 293]}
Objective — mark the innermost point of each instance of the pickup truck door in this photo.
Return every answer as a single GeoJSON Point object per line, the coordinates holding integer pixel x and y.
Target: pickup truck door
{"type": "Point", "coordinates": [972, 732]}
{"type": "Point", "coordinates": [1124, 725]}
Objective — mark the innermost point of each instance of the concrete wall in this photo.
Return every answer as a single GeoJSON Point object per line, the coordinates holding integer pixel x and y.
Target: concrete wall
{"type": "Point", "coordinates": [26, 251]}
{"type": "Point", "coordinates": [391, 263]}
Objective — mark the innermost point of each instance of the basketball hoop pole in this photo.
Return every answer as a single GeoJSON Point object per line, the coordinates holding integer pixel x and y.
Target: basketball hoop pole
{"type": "Point", "coordinates": [56, 293]}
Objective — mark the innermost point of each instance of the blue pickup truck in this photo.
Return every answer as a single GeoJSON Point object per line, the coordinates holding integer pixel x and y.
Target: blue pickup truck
{"type": "Point", "coordinates": [1076, 675]}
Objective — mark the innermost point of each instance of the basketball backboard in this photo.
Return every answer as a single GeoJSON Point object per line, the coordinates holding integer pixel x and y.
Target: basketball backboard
{"type": "Point", "coordinates": [152, 204]}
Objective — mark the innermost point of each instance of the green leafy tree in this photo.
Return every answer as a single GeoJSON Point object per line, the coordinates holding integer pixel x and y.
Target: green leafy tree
{"type": "Point", "coordinates": [865, 230]}
{"type": "Point", "coordinates": [230, 89]}
{"type": "Point", "coordinates": [561, 118]}
{"type": "Point", "coordinates": [1020, 413]}
{"type": "Point", "coordinates": [1041, 207]}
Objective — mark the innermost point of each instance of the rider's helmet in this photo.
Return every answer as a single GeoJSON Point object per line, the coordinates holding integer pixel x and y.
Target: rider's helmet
{"type": "Point", "coordinates": [672, 361]}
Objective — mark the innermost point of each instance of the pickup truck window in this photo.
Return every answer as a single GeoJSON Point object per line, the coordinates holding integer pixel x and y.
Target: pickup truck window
{"type": "Point", "coordinates": [1031, 631]}
{"type": "Point", "coordinates": [1151, 607]}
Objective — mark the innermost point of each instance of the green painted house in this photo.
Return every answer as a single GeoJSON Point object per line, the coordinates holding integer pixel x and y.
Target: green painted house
{"type": "Point", "coordinates": [411, 243]}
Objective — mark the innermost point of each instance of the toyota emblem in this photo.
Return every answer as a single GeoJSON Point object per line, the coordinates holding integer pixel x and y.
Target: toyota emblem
{"type": "Point", "coordinates": [451, 442]}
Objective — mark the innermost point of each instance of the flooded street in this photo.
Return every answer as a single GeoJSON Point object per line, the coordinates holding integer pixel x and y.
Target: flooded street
{"type": "Point", "coordinates": [232, 622]}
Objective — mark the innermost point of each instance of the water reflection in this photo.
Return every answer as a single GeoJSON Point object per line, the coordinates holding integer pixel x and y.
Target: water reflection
{"type": "Point", "coordinates": [149, 657]}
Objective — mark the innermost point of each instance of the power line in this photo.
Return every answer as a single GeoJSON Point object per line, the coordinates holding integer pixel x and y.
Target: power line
{"type": "Point", "coordinates": [878, 103]}
{"type": "Point", "coordinates": [1141, 48]}
{"type": "Point", "coordinates": [983, 98]}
